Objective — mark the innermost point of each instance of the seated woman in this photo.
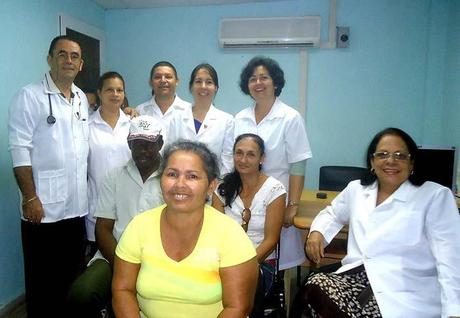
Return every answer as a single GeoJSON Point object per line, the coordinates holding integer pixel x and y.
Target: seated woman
{"type": "Point", "coordinates": [184, 258]}
{"type": "Point", "coordinates": [403, 242]}
{"type": "Point", "coordinates": [256, 200]}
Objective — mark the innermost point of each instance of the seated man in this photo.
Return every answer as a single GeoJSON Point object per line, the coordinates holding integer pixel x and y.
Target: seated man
{"type": "Point", "coordinates": [125, 192]}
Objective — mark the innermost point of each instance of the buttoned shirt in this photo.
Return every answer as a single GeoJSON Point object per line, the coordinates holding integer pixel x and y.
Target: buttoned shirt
{"type": "Point", "coordinates": [57, 152]}
{"type": "Point", "coordinates": [123, 195]}
{"type": "Point", "coordinates": [409, 245]}
{"type": "Point", "coordinates": [108, 148]}
{"type": "Point", "coordinates": [151, 108]}
{"type": "Point", "coordinates": [216, 131]}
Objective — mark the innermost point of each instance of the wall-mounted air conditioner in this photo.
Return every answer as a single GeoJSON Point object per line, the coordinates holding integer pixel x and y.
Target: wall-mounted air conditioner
{"type": "Point", "coordinates": [270, 32]}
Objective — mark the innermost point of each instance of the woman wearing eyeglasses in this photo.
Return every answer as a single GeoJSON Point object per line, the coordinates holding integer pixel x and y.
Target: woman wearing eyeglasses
{"type": "Point", "coordinates": [255, 200]}
{"type": "Point", "coordinates": [403, 242]}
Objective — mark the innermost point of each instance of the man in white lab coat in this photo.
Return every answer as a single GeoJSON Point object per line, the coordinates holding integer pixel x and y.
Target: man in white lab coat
{"type": "Point", "coordinates": [48, 141]}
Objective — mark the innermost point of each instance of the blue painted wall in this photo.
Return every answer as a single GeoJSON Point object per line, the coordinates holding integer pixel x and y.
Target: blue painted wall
{"type": "Point", "coordinates": [27, 29]}
{"type": "Point", "coordinates": [452, 80]}
{"type": "Point", "coordinates": [393, 74]}
{"type": "Point", "coordinates": [402, 69]}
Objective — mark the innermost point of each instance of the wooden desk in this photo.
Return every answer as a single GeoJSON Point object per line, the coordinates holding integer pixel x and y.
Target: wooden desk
{"type": "Point", "coordinates": [310, 205]}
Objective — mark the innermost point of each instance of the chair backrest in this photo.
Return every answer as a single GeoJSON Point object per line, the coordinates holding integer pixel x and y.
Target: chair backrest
{"type": "Point", "coordinates": [336, 178]}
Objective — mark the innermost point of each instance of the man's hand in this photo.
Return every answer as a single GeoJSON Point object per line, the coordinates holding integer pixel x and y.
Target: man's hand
{"type": "Point", "coordinates": [33, 211]}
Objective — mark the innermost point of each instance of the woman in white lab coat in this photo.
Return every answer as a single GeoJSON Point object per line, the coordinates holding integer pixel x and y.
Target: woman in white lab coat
{"type": "Point", "coordinates": [204, 122]}
{"type": "Point", "coordinates": [286, 143]}
{"type": "Point", "coordinates": [108, 133]}
{"type": "Point", "coordinates": [403, 250]}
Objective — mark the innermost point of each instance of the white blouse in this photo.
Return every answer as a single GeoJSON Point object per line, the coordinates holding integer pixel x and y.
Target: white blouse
{"type": "Point", "coordinates": [270, 191]}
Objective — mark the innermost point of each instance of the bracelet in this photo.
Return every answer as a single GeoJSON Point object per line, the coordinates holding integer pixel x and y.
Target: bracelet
{"type": "Point", "coordinates": [30, 200]}
{"type": "Point", "coordinates": [293, 203]}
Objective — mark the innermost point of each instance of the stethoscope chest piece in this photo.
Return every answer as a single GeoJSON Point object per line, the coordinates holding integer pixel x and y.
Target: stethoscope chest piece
{"type": "Point", "coordinates": [51, 120]}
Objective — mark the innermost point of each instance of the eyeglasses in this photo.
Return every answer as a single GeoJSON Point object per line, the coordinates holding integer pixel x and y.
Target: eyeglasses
{"type": "Point", "coordinates": [245, 217]}
{"type": "Point", "coordinates": [398, 156]}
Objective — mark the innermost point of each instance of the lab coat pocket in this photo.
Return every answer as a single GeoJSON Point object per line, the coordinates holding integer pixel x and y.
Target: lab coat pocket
{"type": "Point", "coordinates": [52, 186]}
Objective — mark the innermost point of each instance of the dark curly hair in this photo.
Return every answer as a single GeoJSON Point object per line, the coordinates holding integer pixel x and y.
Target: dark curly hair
{"type": "Point", "coordinates": [273, 68]}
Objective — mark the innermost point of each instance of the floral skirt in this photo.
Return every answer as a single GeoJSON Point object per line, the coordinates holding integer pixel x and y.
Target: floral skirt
{"type": "Point", "coordinates": [347, 294]}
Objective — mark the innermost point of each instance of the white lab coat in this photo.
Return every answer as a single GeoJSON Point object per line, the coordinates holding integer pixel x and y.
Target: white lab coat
{"type": "Point", "coordinates": [286, 142]}
{"type": "Point", "coordinates": [57, 153]}
{"type": "Point", "coordinates": [409, 245]}
{"type": "Point", "coordinates": [108, 148]}
{"type": "Point", "coordinates": [216, 132]}
{"type": "Point", "coordinates": [151, 108]}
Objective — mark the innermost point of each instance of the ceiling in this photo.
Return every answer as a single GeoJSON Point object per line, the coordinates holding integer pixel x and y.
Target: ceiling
{"type": "Point", "coordinates": [142, 4]}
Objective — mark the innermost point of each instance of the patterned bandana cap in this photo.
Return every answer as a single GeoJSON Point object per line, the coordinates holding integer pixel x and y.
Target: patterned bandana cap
{"type": "Point", "coordinates": [144, 127]}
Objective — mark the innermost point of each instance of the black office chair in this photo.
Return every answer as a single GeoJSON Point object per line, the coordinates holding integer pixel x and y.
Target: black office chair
{"type": "Point", "coordinates": [336, 178]}
{"type": "Point", "coordinates": [273, 304]}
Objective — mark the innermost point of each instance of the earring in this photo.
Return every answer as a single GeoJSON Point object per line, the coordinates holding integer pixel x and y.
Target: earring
{"type": "Point", "coordinates": [372, 170]}
{"type": "Point", "coordinates": [412, 173]}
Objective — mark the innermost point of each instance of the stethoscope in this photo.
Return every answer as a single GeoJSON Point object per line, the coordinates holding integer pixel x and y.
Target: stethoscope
{"type": "Point", "coordinates": [51, 120]}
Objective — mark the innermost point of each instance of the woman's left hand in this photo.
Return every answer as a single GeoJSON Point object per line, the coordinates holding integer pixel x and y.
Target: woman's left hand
{"type": "Point", "coordinates": [289, 214]}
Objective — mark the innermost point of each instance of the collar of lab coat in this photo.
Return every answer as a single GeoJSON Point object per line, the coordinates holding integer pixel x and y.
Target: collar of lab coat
{"type": "Point", "coordinates": [51, 88]}
{"type": "Point", "coordinates": [97, 119]}
{"type": "Point", "coordinates": [403, 193]}
{"type": "Point", "coordinates": [275, 112]}
{"type": "Point", "coordinates": [177, 103]}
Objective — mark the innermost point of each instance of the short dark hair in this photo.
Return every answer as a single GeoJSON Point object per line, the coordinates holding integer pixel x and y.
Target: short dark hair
{"type": "Point", "coordinates": [103, 78]}
{"type": "Point", "coordinates": [108, 75]}
{"type": "Point", "coordinates": [370, 177]}
{"type": "Point", "coordinates": [273, 68]}
{"type": "Point", "coordinates": [208, 158]}
{"type": "Point", "coordinates": [162, 63]}
{"type": "Point", "coordinates": [57, 39]}
{"type": "Point", "coordinates": [208, 67]}
{"type": "Point", "coordinates": [230, 187]}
